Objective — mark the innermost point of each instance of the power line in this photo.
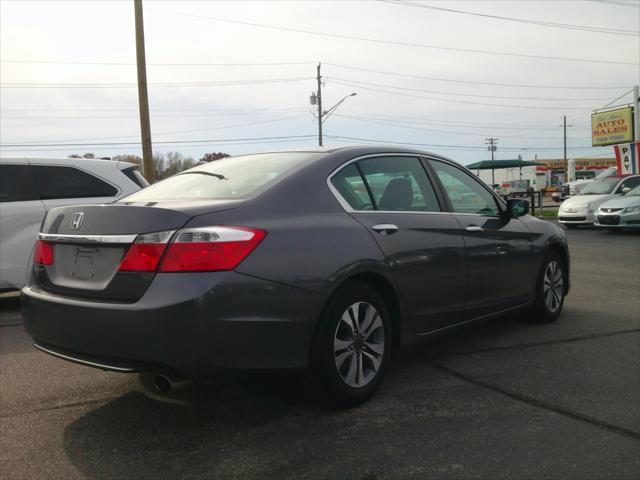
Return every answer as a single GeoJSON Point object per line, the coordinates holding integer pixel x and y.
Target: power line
{"type": "Point", "coordinates": [350, 67]}
{"type": "Point", "coordinates": [462, 147]}
{"type": "Point", "coordinates": [177, 142]}
{"type": "Point", "coordinates": [568, 26]}
{"type": "Point", "coordinates": [470, 82]}
{"type": "Point", "coordinates": [405, 44]}
{"type": "Point", "coordinates": [459, 124]}
{"type": "Point", "coordinates": [171, 132]}
{"type": "Point", "coordinates": [349, 84]}
{"type": "Point", "coordinates": [619, 4]}
{"type": "Point", "coordinates": [449, 132]}
{"type": "Point", "coordinates": [126, 64]}
{"type": "Point", "coordinates": [469, 94]}
{"type": "Point", "coordinates": [134, 85]}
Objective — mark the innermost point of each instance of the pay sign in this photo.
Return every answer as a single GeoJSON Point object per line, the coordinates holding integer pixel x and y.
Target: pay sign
{"type": "Point", "coordinates": [628, 157]}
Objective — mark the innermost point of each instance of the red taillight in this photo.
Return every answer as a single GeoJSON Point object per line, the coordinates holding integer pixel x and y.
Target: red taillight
{"type": "Point", "coordinates": [145, 253]}
{"type": "Point", "coordinates": [210, 249]}
{"type": "Point", "coordinates": [43, 253]}
{"type": "Point", "coordinates": [142, 257]}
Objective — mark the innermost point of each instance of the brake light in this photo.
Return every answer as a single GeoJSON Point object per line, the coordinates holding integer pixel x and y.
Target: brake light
{"type": "Point", "coordinates": [210, 248]}
{"type": "Point", "coordinates": [43, 253]}
{"type": "Point", "coordinates": [145, 253]}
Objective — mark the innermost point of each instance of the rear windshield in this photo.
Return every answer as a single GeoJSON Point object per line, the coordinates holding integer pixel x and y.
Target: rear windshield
{"type": "Point", "coordinates": [224, 179]}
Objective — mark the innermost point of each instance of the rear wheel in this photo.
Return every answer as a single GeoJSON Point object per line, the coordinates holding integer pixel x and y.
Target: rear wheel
{"type": "Point", "coordinates": [351, 348]}
{"type": "Point", "coordinates": [550, 290]}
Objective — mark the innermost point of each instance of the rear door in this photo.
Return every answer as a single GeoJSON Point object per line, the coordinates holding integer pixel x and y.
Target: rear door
{"type": "Point", "coordinates": [21, 213]}
{"type": "Point", "coordinates": [393, 197]}
{"type": "Point", "coordinates": [501, 258]}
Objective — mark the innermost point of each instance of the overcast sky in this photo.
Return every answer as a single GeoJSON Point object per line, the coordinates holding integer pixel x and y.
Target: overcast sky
{"type": "Point", "coordinates": [68, 74]}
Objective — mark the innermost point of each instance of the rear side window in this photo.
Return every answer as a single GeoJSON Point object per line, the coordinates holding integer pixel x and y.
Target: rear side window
{"type": "Point", "coordinates": [224, 179]}
{"type": "Point", "coordinates": [68, 182]}
{"type": "Point", "coordinates": [351, 187]}
{"type": "Point", "coordinates": [16, 184]}
{"type": "Point", "coordinates": [388, 184]}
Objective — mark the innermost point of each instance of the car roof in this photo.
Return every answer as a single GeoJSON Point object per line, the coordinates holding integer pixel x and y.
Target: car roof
{"type": "Point", "coordinates": [56, 159]}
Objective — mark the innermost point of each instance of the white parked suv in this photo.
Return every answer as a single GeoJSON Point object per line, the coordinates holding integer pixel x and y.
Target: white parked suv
{"type": "Point", "coordinates": [29, 187]}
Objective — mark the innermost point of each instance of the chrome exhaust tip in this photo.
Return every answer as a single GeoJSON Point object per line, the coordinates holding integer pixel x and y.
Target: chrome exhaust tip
{"type": "Point", "coordinates": [165, 383]}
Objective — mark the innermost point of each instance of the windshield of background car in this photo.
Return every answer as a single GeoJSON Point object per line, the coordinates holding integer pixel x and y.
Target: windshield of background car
{"type": "Point", "coordinates": [224, 179]}
{"type": "Point", "coordinates": [609, 172]}
{"type": "Point", "coordinates": [600, 187]}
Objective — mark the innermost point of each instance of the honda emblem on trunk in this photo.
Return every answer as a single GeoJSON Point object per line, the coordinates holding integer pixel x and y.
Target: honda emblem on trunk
{"type": "Point", "coordinates": [76, 222]}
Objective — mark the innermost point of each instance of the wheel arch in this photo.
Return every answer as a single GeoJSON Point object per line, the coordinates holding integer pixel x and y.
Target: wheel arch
{"type": "Point", "coordinates": [387, 291]}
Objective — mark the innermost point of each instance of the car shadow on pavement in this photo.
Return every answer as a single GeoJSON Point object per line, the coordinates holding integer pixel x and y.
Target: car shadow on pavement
{"type": "Point", "coordinates": [185, 433]}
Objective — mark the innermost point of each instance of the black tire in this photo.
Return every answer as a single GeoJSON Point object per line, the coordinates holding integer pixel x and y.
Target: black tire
{"type": "Point", "coordinates": [326, 383]}
{"type": "Point", "coordinates": [540, 311]}
{"type": "Point", "coordinates": [570, 226]}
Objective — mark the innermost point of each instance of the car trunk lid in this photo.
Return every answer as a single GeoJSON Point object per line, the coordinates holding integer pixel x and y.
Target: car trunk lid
{"type": "Point", "coordinates": [89, 242]}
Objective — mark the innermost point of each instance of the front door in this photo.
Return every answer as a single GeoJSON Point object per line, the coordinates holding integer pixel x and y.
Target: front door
{"type": "Point", "coordinates": [502, 261]}
{"type": "Point", "coordinates": [393, 197]}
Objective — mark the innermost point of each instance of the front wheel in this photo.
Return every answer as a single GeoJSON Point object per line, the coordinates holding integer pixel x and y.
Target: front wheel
{"type": "Point", "coordinates": [550, 290]}
{"type": "Point", "coordinates": [351, 348]}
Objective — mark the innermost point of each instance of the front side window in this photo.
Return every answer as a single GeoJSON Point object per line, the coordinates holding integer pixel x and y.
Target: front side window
{"type": "Point", "coordinates": [466, 194]}
{"type": "Point", "coordinates": [630, 183]}
{"type": "Point", "coordinates": [16, 184]}
{"type": "Point", "coordinates": [224, 179]}
{"type": "Point", "coordinates": [68, 182]}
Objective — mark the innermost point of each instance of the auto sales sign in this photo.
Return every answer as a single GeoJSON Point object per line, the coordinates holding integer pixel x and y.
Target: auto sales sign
{"type": "Point", "coordinates": [612, 127]}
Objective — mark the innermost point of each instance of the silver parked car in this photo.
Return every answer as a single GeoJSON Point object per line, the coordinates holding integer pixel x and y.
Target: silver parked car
{"type": "Point", "coordinates": [619, 213]}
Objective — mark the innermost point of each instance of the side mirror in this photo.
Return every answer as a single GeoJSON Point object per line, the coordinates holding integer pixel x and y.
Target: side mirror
{"type": "Point", "coordinates": [625, 190]}
{"type": "Point", "coordinates": [517, 207]}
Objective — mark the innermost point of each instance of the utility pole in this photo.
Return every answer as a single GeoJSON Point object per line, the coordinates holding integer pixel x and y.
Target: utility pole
{"type": "Point", "coordinates": [564, 162]}
{"type": "Point", "coordinates": [319, 100]}
{"type": "Point", "coordinates": [492, 148]}
{"type": "Point", "coordinates": [143, 97]}
{"type": "Point", "coordinates": [636, 112]}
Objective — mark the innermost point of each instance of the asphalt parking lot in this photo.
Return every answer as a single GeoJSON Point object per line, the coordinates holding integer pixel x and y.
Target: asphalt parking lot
{"type": "Point", "coordinates": [504, 399]}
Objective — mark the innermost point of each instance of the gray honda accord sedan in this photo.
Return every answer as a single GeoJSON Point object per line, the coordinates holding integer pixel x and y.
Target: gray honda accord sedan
{"type": "Point", "coordinates": [326, 260]}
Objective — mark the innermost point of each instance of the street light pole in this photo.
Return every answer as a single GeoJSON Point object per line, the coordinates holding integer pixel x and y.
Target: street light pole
{"type": "Point", "coordinates": [319, 100]}
{"type": "Point", "coordinates": [492, 147]}
{"type": "Point", "coordinates": [636, 112]}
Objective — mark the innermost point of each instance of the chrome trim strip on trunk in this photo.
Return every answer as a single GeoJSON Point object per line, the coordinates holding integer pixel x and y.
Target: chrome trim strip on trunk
{"type": "Point", "coordinates": [82, 361]}
{"type": "Point", "coordinates": [54, 237]}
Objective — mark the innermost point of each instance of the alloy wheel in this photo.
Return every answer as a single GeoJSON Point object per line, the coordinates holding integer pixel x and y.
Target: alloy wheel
{"type": "Point", "coordinates": [553, 286]}
{"type": "Point", "coordinates": [359, 344]}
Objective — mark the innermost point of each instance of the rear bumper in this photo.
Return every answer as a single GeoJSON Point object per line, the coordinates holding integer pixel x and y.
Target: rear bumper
{"type": "Point", "coordinates": [189, 323]}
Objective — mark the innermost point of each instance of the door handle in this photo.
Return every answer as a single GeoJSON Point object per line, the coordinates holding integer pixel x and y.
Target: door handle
{"type": "Point", "coordinates": [474, 228]}
{"type": "Point", "coordinates": [385, 228]}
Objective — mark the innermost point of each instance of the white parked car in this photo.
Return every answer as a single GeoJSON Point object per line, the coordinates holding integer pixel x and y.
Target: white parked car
{"type": "Point", "coordinates": [581, 209]}
{"type": "Point", "coordinates": [30, 187]}
{"type": "Point", "coordinates": [621, 212]}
